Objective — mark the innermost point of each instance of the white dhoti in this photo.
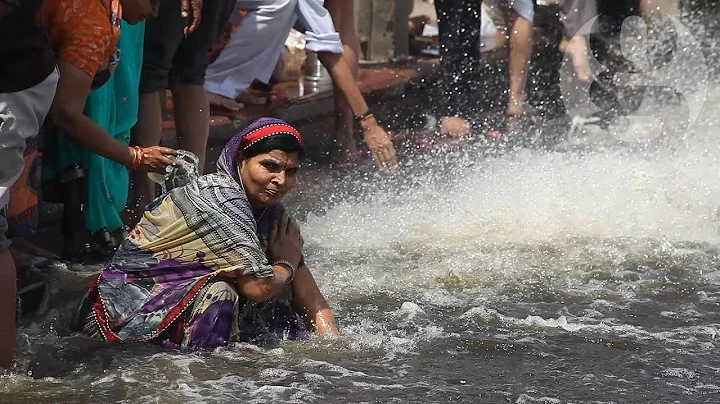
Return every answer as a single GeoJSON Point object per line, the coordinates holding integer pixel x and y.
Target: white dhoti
{"type": "Point", "coordinates": [254, 49]}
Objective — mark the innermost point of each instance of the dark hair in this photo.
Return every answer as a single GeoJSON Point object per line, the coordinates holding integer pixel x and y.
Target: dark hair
{"type": "Point", "coordinates": [281, 141]}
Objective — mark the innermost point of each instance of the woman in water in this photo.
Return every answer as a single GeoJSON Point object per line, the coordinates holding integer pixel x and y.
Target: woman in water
{"type": "Point", "coordinates": [192, 271]}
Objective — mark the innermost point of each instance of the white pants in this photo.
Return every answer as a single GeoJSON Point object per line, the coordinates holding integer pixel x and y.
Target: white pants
{"type": "Point", "coordinates": [21, 115]}
{"type": "Point", "coordinates": [254, 49]}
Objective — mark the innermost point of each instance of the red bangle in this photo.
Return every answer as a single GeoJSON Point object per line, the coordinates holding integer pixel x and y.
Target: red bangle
{"type": "Point", "coordinates": [138, 155]}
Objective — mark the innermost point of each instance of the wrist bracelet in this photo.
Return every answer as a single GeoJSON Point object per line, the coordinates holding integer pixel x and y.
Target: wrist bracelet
{"type": "Point", "coordinates": [138, 155]}
{"type": "Point", "coordinates": [289, 265]}
{"type": "Point", "coordinates": [365, 115]}
{"type": "Point", "coordinates": [136, 158]}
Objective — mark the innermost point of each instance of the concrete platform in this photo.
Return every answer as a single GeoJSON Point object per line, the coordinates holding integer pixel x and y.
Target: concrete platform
{"type": "Point", "coordinates": [311, 105]}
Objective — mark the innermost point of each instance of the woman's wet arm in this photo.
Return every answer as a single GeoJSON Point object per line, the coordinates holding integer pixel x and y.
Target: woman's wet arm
{"type": "Point", "coordinates": [308, 299]}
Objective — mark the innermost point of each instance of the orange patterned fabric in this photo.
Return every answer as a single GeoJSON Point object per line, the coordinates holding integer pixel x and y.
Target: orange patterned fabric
{"type": "Point", "coordinates": [83, 32]}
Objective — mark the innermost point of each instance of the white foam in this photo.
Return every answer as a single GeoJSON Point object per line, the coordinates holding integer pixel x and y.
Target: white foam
{"type": "Point", "coordinates": [378, 387]}
{"type": "Point", "coordinates": [490, 220]}
{"type": "Point", "coordinates": [527, 399]}
{"type": "Point", "coordinates": [681, 373]}
{"type": "Point", "coordinates": [275, 373]}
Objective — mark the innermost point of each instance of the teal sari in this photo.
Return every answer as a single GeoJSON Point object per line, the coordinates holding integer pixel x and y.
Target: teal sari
{"type": "Point", "coordinates": [113, 106]}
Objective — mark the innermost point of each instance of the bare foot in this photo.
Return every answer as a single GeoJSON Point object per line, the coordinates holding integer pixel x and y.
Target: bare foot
{"type": "Point", "coordinates": [248, 98]}
{"type": "Point", "coordinates": [520, 109]}
{"type": "Point", "coordinates": [454, 126]}
{"type": "Point", "coordinates": [218, 101]}
{"type": "Point", "coordinates": [515, 109]}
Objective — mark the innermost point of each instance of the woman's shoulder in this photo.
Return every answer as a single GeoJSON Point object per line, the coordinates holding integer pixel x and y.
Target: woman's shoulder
{"type": "Point", "coordinates": [81, 31]}
{"type": "Point", "coordinates": [71, 14]}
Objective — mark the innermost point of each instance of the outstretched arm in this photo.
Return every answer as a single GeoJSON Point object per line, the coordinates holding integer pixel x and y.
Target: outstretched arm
{"type": "Point", "coordinates": [376, 139]}
{"type": "Point", "coordinates": [310, 302]}
{"type": "Point", "coordinates": [67, 113]}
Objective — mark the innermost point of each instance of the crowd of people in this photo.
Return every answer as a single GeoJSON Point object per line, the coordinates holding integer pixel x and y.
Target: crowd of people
{"type": "Point", "coordinates": [83, 81]}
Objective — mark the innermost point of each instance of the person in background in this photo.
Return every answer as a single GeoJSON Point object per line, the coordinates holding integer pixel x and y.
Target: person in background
{"type": "Point", "coordinates": [459, 23]}
{"type": "Point", "coordinates": [343, 16]}
{"type": "Point", "coordinates": [255, 48]}
{"type": "Point", "coordinates": [28, 78]}
{"type": "Point", "coordinates": [517, 25]}
{"type": "Point", "coordinates": [93, 189]}
{"type": "Point", "coordinates": [175, 58]}
{"type": "Point", "coordinates": [85, 36]}
{"type": "Point", "coordinates": [575, 16]}
{"type": "Point", "coordinates": [216, 259]}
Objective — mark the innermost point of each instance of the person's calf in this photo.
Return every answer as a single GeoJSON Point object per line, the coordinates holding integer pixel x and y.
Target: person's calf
{"type": "Point", "coordinates": [577, 49]}
{"type": "Point", "coordinates": [520, 52]}
{"type": "Point", "coordinates": [192, 119]}
{"type": "Point", "coordinates": [344, 148]}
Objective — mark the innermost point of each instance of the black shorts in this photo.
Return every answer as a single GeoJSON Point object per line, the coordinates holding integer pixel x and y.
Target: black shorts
{"type": "Point", "coordinates": [169, 57]}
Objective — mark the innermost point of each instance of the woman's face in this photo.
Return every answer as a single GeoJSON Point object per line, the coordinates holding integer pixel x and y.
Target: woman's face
{"type": "Point", "coordinates": [267, 177]}
{"type": "Point", "coordinates": [134, 11]}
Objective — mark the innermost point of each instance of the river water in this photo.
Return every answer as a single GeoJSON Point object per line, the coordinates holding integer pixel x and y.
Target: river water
{"type": "Point", "coordinates": [584, 272]}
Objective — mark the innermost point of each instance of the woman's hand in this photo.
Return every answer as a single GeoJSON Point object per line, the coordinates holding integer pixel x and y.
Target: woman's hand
{"type": "Point", "coordinates": [286, 243]}
{"type": "Point", "coordinates": [378, 141]}
{"type": "Point", "coordinates": [156, 158]}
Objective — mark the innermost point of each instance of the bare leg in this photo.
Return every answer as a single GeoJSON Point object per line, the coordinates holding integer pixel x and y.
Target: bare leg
{"type": "Point", "coordinates": [147, 132]}
{"type": "Point", "coordinates": [343, 15]}
{"type": "Point", "coordinates": [192, 119]}
{"type": "Point", "coordinates": [520, 52]}
{"type": "Point", "coordinates": [454, 126]}
{"type": "Point", "coordinates": [577, 48]}
{"type": "Point", "coordinates": [8, 280]}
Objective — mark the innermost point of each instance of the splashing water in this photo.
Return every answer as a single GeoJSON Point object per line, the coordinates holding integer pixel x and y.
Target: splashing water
{"type": "Point", "coordinates": [588, 272]}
